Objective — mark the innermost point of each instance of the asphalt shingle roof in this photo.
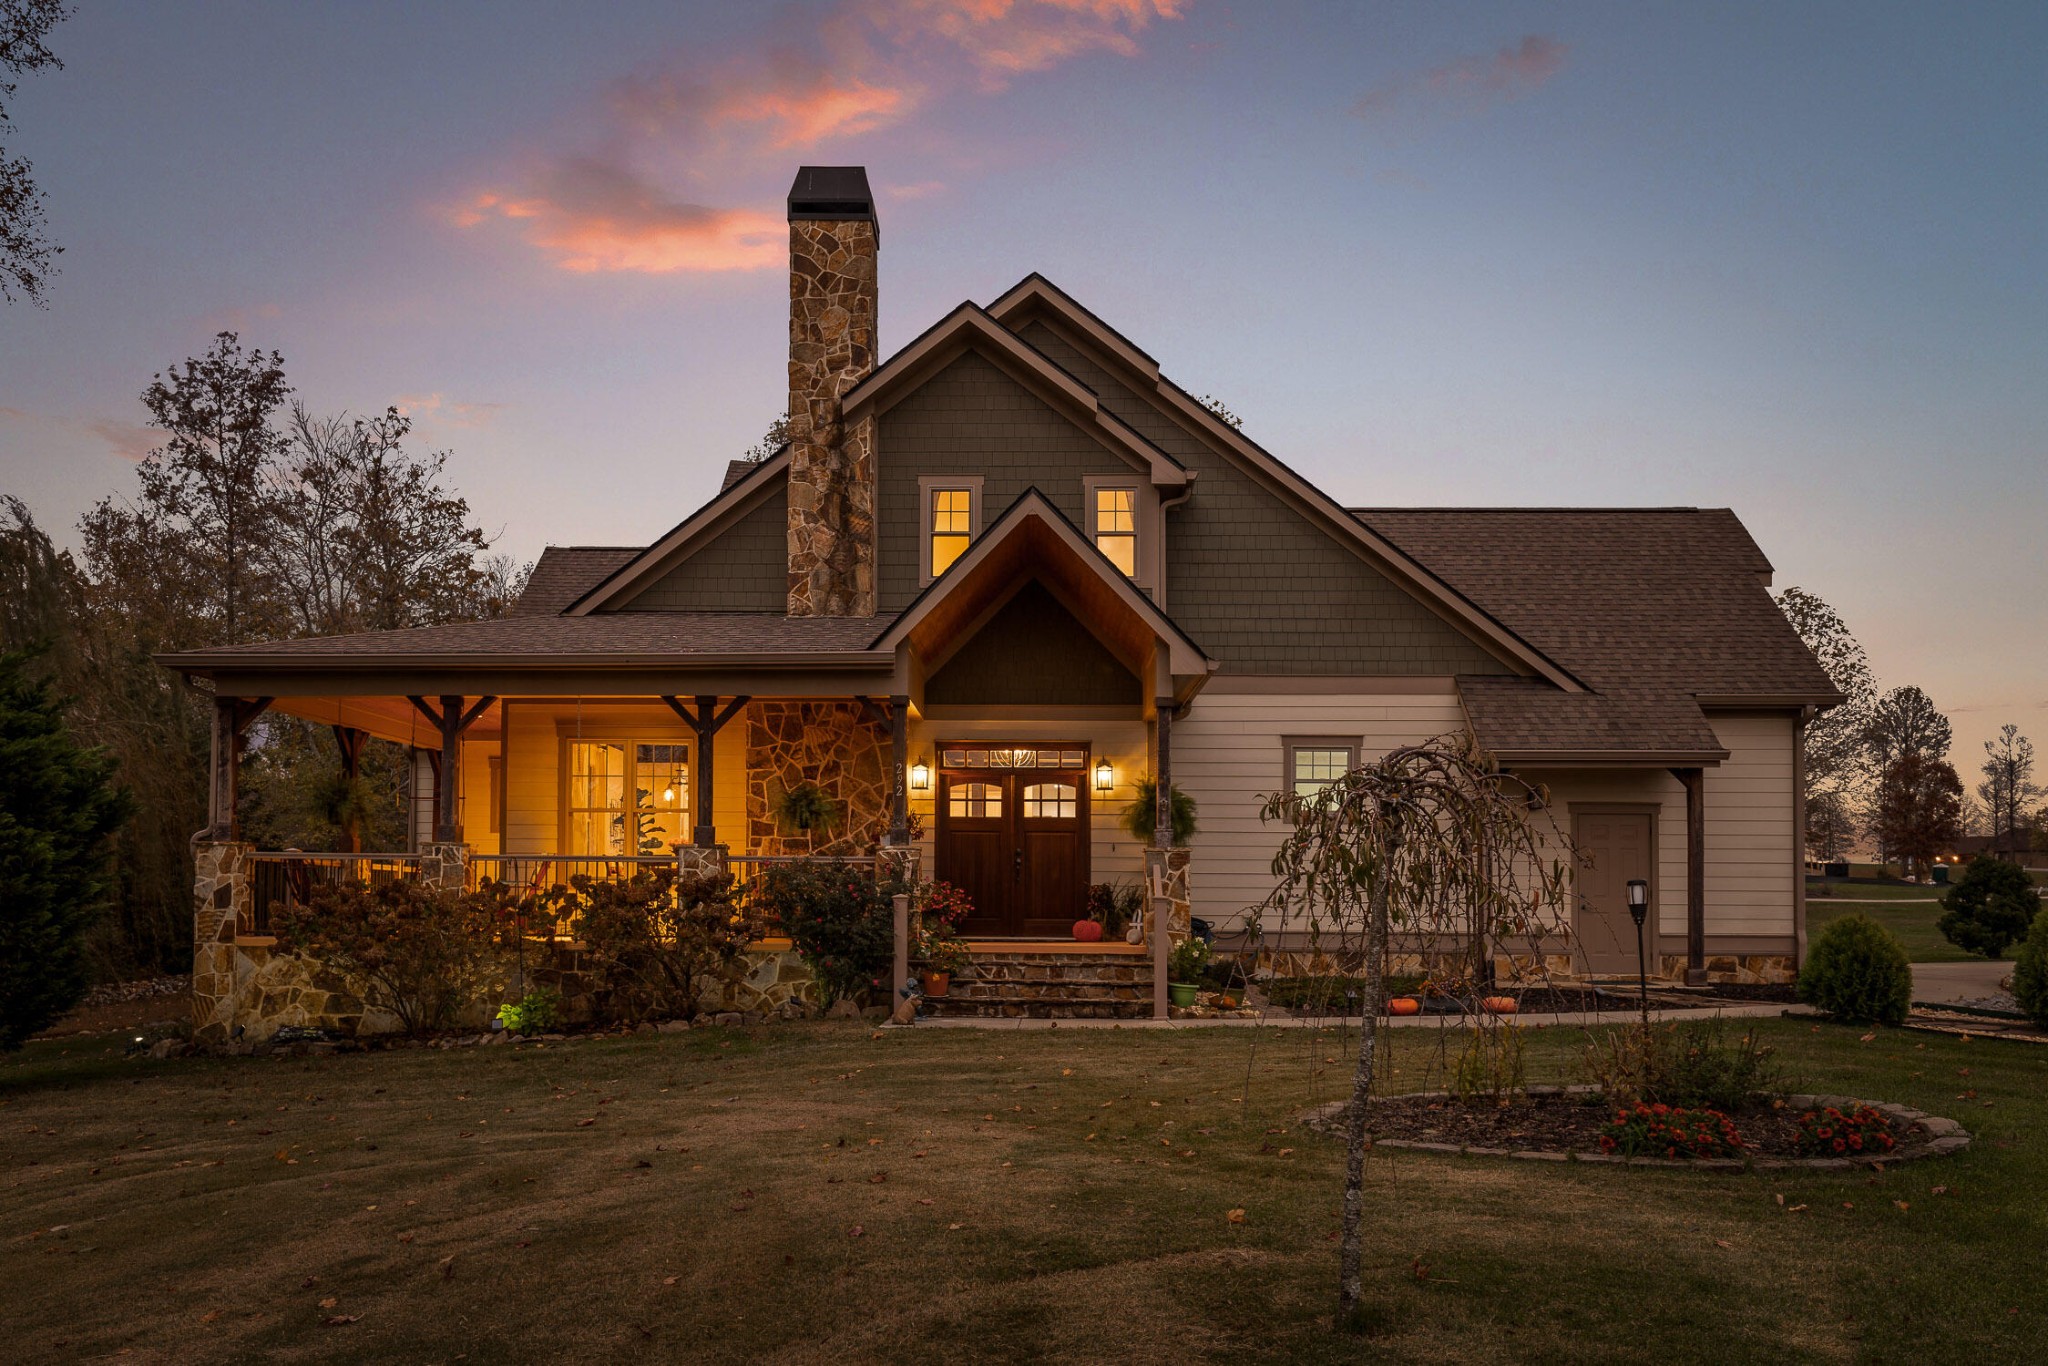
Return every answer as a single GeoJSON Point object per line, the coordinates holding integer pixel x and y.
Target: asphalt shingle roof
{"type": "Point", "coordinates": [564, 573]}
{"type": "Point", "coordinates": [606, 636]}
{"type": "Point", "coordinates": [1650, 608]}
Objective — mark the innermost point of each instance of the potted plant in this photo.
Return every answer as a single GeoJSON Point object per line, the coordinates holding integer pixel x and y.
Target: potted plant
{"type": "Point", "coordinates": [1115, 907]}
{"type": "Point", "coordinates": [943, 953]}
{"type": "Point", "coordinates": [1184, 970]}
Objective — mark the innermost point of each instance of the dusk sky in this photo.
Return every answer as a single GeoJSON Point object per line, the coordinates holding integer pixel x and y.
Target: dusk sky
{"type": "Point", "coordinates": [1790, 259]}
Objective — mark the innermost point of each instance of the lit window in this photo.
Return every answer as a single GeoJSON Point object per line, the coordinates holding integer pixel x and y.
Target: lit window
{"type": "Point", "coordinates": [602, 820]}
{"type": "Point", "coordinates": [975, 801]}
{"type": "Point", "coordinates": [1049, 801]}
{"type": "Point", "coordinates": [952, 515]}
{"type": "Point", "coordinates": [1312, 768]}
{"type": "Point", "coordinates": [1116, 528]}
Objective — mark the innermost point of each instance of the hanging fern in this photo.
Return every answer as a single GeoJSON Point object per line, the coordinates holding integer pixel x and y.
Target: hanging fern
{"type": "Point", "coordinates": [805, 808]}
{"type": "Point", "coordinates": [1141, 817]}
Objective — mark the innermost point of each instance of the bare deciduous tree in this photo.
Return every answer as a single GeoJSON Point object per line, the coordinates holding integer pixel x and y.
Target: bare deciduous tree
{"type": "Point", "coordinates": [27, 257]}
{"type": "Point", "coordinates": [1436, 842]}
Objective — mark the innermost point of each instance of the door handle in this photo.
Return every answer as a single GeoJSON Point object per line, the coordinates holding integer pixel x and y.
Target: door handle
{"type": "Point", "coordinates": [1017, 865]}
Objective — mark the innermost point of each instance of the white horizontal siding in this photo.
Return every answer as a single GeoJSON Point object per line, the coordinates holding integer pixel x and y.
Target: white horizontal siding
{"type": "Point", "coordinates": [1228, 755]}
{"type": "Point", "coordinates": [1750, 888]}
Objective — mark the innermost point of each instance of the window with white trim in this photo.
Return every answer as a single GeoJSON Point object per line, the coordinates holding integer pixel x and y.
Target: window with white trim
{"type": "Point", "coordinates": [949, 520]}
{"type": "Point", "coordinates": [1113, 517]}
{"type": "Point", "coordinates": [1312, 764]}
{"type": "Point", "coordinates": [627, 796]}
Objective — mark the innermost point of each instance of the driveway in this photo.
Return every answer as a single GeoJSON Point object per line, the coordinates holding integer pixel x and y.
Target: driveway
{"type": "Point", "coordinates": [1974, 984]}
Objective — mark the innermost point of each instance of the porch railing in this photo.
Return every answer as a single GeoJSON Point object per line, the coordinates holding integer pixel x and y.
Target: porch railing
{"type": "Point", "coordinates": [278, 880]}
{"type": "Point", "coordinates": [538, 872]}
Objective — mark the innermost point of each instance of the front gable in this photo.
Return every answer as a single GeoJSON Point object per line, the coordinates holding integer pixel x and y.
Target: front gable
{"type": "Point", "coordinates": [742, 566]}
{"type": "Point", "coordinates": [1033, 651]}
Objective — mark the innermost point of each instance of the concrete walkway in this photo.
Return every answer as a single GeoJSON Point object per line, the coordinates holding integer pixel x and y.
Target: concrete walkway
{"type": "Point", "coordinates": [1733, 1010]}
{"type": "Point", "coordinates": [1970, 984]}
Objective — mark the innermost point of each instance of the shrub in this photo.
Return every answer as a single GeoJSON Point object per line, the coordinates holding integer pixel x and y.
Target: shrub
{"type": "Point", "coordinates": [1857, 972]}
{"type": "Point", "coordinates": [1187, 960]}
{"type": "Point", "coordinates": [421, 952]}
{"type": "Point", "coordinates": [1990, 908]}
{"type": "Point", "coordinates": [653, 942]}
{"type": "Point", "coordinates": [1490, 1064]}
{"type": "Point", "coordinates": [1114, 905]}
{"type": "Point", "coordinates": [537, 1011]}
{"type": "Point", "coordinates": [840, 920]}
{"type": "Point", "coordinates": [58, 806]}
{"type": "Point", "coordinates": [1141, 817]}
{"type": "Point", "coordinates": [1688, 1063]}
{"type": "Point", "coordinates": [1648, 1130]}
{"type": "Point", "coordinates": [2030, 972]}
{"type": "Point", "coordinates": [1828, 1132]}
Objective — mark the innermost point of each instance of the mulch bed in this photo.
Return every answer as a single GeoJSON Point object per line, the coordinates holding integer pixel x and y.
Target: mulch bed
{"type": "Point", "coordinates": [1555, 1123]}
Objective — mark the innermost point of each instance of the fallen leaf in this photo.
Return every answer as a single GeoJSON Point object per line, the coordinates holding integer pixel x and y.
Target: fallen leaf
{"type": "Point", "coordinates": [1286, 1152]}
{"type": "Point", "coordinates": [586, 1123]}
{"type": "Point", "coordinates": [1901, 1205]}
{"type": "Point", "coordinates": [856, 1231]}
{"type": "Point", "coordinates": [209, 1316]}
{"type": "Point", "coordinates": [1867, 1038]}
{"type": "Point", "coordinates": [1780, 1198]}
{"type": "Point", "coordinates": [954, 1228]}
{"type": "Point", "coordinates": [340, 1320]}
{"type": "Point", "coordinates": [1235, 1216]}
{"type": "Point", "coordinates": [329, 1302]}
{"type": "Point", "coordinates": [1723, 1242]}
{"type": "Point", "coordinates": [878, 1178]}
{"type": "Point", "coordinates": [405, 1237]}
{"type": "Point", "coordinates": [1939, 1190]}
{"type": "Point", "coordinates": [448, 1267]}
{"type": "Point", "coordinates": [670, 1280]}
{"type": "Point", "coordinates": [1795, 1209]}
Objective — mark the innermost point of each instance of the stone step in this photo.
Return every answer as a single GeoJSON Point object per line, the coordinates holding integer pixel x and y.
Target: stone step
{"type": "Point", "coordinates": [1036, 1008]}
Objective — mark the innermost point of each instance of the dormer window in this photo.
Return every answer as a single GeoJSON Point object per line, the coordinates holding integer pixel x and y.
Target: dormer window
{"type": "Point", "coordinates": [1113, 522]}
{"type": "Point", "coordinates": [952, 517]}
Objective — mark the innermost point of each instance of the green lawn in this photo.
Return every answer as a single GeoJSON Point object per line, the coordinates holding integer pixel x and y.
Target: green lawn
{"type": "Point", "coordinates": [1908, 912]}
{"type": "Point", "coordinates": [820, 1193]}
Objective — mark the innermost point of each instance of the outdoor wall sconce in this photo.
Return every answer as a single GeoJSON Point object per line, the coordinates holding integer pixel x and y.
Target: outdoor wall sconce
{"type": "Point", "coordinates": [1105, 776]}
{"type": "Point", "coordinates": [920, 776]}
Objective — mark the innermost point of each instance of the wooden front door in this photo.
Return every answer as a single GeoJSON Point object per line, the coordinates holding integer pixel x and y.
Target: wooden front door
{"type": "Point", "coordinates": [1613, 847]}
{"type": "Point", "coordinates": [1016, 841]}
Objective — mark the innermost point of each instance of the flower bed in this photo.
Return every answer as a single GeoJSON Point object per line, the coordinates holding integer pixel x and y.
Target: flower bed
{"type": "Point", "coordinates": [1576, 1124]}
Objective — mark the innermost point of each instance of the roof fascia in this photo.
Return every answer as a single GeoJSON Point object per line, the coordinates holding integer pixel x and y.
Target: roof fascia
{"type": "Point", "coordinates": [969, 327]}
{"type": "Point", "coordinates": [1036, 292]}
{"type": "Point", "coordinates": [1188, 658]}
{"type": "Point", "coordinates": [684, 540]}
{"type": "Point", "coordinates": [1788, 701]}
{"type": "Point", "coordinates": [1611, 758]}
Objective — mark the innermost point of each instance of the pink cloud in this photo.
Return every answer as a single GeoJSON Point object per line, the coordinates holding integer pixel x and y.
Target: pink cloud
{"type": "Point", "coordinates": [1473, 83]}
{"type": "Point", "coordinates": [127, 440]}
{"type": "Point", "coordinates": [859, 68]}
{"type": "Point", "coordinates": [441, 411]}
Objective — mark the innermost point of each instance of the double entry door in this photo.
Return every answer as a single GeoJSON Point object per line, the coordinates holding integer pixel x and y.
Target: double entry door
{"type": "Point", "coordinates": [1015, 840]}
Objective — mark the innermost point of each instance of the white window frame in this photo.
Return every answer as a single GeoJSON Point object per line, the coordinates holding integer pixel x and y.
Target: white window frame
{"type": "Point", "coordinates": [1144, 516]}
{"type": "Point", "coordinates": [631, 737]}
{"type": "Point", "coordinates": [927, 485]}
{"type": "Point", "coordinates": [1292, 744]}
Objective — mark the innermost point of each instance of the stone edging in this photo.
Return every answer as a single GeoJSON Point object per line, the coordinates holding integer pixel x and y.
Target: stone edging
{"type": "Point", "coordinates": [1942, 1137]}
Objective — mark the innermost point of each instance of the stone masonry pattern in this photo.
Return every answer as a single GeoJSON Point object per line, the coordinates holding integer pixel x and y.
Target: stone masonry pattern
{"type": "Point", "coordinates": [832, 313]}
{"type": "Point", "coordinates": [828, 743]}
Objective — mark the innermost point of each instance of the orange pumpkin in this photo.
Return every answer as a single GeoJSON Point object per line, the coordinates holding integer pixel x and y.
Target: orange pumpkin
{"type": "Point", "coordinates": [1502, 1005]}
{"type": "Point", "coordinates": [1404, 1005]}
{"type": "Point", "coordinates": [1087, 931]}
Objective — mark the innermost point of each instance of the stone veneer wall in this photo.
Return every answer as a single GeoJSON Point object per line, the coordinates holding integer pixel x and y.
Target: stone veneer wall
{"type": "Point", "coordinates": [220, 897]}
{"type": "Point", "coordinates": [832, 317]}
{"type": "Point", "coordinates": [828, 743]}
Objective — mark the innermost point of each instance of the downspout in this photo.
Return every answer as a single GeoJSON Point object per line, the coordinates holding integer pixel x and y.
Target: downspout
{"type": "Point", "coordinates": [1806, 715]}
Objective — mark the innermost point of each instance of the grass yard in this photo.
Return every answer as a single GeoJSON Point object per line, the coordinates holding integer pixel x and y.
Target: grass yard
{"type": "Point", "coordinates": [1911, 918]}
{"type": "Point", "coordinates": [816, 1192]}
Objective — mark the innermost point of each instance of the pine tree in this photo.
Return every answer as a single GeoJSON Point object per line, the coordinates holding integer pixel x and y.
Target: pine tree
{"type": "Point", "coordinates": [58, 809]}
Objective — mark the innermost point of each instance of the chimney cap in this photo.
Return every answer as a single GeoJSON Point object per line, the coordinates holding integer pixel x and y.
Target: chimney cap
{"type": "Point", "coordinates": [831, 194]}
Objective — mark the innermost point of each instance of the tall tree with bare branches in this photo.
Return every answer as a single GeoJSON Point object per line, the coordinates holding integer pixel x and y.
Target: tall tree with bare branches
{"type": "Point", "coordinates": [27, 257]}
{"type": "Point", "coordinates": [1434, 841]}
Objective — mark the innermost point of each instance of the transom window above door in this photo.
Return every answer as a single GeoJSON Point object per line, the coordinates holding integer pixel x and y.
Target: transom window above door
{"type": "Point", "coordinates": [627, 797]}
{"type": "Point", "coordinates": [952, 518]}
{"type": "Point", "coordinates": [1009, 756]}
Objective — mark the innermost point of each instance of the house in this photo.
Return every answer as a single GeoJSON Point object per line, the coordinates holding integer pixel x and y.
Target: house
{"type": "Point", "coordinates": [999, 578]}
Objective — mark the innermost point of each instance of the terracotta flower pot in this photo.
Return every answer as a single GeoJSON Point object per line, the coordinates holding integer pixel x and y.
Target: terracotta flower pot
{"type": "Point", "coordinates": [938, 983]}
{"type": "Point", "coordinates": [1087, 931]}
{"type": "Point", "coordinates": [1404, 1005]}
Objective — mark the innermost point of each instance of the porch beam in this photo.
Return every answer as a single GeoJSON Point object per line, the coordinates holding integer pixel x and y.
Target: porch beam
{"type": "Point", "coordinates": [899, 770]}
{"type": "Point", "coordinates": [451, 721]}
{"type": "Point", "coordinates": [705, 721]}
{"type": "Point", "coordinates": [1694, 780]}
{"type": "Point", "coordinates": [1162, 773]}
{"type": "Point", "coordinates": [231, 718]}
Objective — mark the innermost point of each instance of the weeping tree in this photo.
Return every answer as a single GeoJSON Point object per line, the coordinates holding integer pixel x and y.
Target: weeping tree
{"type": "Point", "coordinates": [1433, 843]}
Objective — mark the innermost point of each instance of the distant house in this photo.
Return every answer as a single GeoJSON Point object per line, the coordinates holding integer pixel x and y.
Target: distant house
{"type": "Point", "coordinates": [2023, 846]}
{"type": "Point", "coordinates": [997, 579]}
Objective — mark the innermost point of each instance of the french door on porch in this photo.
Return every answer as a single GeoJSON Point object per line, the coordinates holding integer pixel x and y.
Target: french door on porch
{"type": "Point", "coordinates": [1012, 833]}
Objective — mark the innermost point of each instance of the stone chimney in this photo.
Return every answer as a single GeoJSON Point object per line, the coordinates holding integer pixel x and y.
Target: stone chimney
{"type": "Point", "coordinates": [833, 243]}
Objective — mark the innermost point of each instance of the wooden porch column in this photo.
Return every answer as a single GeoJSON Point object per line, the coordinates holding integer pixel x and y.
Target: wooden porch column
{"type": "Point", "coordinates": [1694, 782]}
{"type": "Point", "coordinates": [705, 723]}
{"type": "Point", "coordinates": [899, 770]}
{"type": "Point", "coordinates": [451, 720]}
{"type": "Point", "coordinates": [349, 741]}
{"type": "Point", "coordinates": [1162, 773]}
{"type": "Point", "coordinates": [231, 717]}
